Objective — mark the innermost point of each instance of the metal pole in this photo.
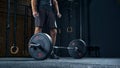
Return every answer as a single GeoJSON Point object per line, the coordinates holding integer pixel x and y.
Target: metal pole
{"type": "Point", "coordinates": [15, 22]}
{"type": "Point", "coordinates": [8, 29]}
{"type": "Point", "coordinates": [81, 17]}
{"type": "Point", "coordinates": [25, 28]}
{"type": "Point", "coordinates": [88, 4]}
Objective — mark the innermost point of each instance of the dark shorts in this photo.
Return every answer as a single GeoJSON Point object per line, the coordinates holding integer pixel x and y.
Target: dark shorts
{"type": "Point", "coordinates": [45, 18]}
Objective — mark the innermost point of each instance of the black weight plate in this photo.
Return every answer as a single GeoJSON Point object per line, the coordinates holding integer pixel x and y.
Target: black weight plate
{"type": "Point", "coordinates": [45, 43]}
{"type": "Point", "coordinates": [81, 48]}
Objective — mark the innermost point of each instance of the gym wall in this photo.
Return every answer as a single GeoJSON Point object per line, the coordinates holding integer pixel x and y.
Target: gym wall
{"type": "Point", "coordinates": [23, 27]}
{"type": "Point", "coordinates": [68, 25]}
{"type": "Point", "coordinates": [104, 26]}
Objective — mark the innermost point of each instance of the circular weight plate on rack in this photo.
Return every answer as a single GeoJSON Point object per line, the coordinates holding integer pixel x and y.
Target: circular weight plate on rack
{"type": "Point", "coordinates": [79, 48]}
{"type": "Point", "coordinates": [40, 46]}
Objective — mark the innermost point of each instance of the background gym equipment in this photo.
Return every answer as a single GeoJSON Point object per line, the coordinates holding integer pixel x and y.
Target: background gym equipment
{"type": "Point", "coordinates": [8, 28]}
{"type": "Point", "coordinates": [40, 47]}
{"type": "Point", "coordinates": [14, 49]}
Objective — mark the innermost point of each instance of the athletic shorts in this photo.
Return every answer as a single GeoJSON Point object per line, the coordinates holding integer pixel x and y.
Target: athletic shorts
{"type": "Point", "coordinates": [46, 17]}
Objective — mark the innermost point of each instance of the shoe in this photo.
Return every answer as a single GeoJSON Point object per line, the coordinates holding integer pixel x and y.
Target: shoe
{"type": "Point", "coordinates": [53, 56]}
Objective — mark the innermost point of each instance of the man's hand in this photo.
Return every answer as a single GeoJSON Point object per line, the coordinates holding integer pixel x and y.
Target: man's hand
{"type": "Point", "coordinates": [59, 15]}
{"type": "Point", "coordinates": [35, 13]}
{"type": "Point", "coordinates": [34, 10]}
{"type": "Point", "coordinates": [57, 8]}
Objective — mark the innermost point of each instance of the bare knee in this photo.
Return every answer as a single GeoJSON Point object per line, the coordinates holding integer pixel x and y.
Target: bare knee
{"type": "Point", "coordinates": [53, 32]}
{"type": "Point", "coordinates": [37, 30]}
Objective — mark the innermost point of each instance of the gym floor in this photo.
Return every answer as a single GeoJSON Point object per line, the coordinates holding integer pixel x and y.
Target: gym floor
{"type": "Point", "coordinates": [60, 63]}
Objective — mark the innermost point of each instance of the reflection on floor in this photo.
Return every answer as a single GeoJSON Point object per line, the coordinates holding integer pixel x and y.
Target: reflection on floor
{"type": "Point", "coordinates": [60, 63]}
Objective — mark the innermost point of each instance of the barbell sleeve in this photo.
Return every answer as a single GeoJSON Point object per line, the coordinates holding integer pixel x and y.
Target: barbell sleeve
{"type": "Point", "coordinates": [34, 45]}
{"type": "Point", "coordinates": [57, 47]}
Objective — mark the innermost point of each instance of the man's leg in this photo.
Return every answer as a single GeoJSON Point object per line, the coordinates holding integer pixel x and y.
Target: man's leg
{"type": "Point", "coordinates": [53, 34]}
{"type": "Point", "coordinates": [53, 31]}
{"type": "Point", "coordinates": [37, 30]}
{"type": "Point", "coordinates": [39, 21]}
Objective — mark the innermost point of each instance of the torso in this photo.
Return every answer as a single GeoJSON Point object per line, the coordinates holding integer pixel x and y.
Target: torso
{"type": "Point", "coordinates": [44, 4]}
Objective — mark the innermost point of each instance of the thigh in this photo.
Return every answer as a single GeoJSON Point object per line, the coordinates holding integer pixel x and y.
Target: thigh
{"type": "Point", "coordinates": [39, 20]}
{"type": "Point", "coordinates": [51, 20]}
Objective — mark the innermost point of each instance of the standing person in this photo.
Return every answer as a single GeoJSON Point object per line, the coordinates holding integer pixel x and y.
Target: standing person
{"type": "Point", "coordinates": [43, 15]}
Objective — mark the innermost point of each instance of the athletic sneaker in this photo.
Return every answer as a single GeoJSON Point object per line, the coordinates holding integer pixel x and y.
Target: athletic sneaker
{"type": "Point", "coordinates": [54, 56]}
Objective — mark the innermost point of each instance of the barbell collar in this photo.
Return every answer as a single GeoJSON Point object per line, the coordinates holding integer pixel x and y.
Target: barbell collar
{"type": "Point", "coordinates": [37, 46]}
{"type": "Point", "coordinates": [34, 45]}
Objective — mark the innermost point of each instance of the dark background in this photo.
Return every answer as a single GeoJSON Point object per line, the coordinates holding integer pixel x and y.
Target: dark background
{"type": "Point", "coordinates": [100, 25]}
{"type": "Point", "coordinates": [104, 26]}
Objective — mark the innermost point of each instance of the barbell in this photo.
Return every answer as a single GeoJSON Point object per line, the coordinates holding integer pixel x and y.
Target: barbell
{"type": "Point", "coordinates": [40, 47]}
